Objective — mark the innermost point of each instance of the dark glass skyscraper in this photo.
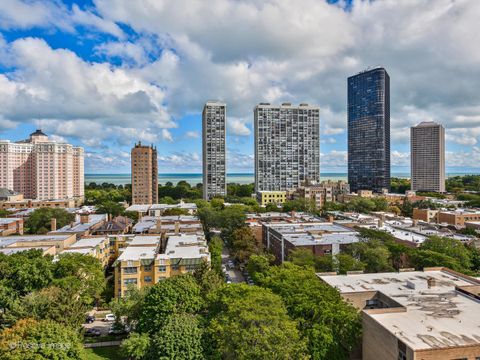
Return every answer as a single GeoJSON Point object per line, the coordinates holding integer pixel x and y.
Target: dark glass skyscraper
{"type": "Point", "coordinates": [369, 130]}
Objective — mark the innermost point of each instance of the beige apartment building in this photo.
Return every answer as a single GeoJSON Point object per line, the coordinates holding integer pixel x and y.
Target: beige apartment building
{"type": "Point", "coordinates": [320, 193]}
{"type": "Point", "coordinates": [144, 174]}
{"type": "Point", "coordinates": [147, 260]}
{"type": "Point", "coordinates": [42, 169]}
{"type": "Point", "coordinates": [427, 141]}
{"type": "Point", "coordinates": [415, 315]}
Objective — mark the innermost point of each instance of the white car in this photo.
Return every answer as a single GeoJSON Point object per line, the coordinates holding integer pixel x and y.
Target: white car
{"type": "Point", "coordinates": [109, 317]}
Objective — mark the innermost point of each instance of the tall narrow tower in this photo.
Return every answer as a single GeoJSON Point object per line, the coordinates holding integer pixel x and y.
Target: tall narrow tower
{"type": "Point", "coordinates": [214, 151]}
{"type": "Point", "coordinates": [287, 146]}
{"type": "Point", "coordinates": [144, 174]}
{"type": "Point", "coordinates": [369, 130]}
{"type": "Point", "coordinates": [427, 141]}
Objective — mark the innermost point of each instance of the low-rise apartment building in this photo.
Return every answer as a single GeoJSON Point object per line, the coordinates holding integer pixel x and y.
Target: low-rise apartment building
{"type": "Point", "coordinates": [49, 244]}
{"type": "Point", "coordinates": [322, 192]}
{"type": "Point", "coordinates": [159, 209]}
{"type": "Point", "coordinates": [417, 315]}
{"type": "Point", "coordinates": [147, 260]}
{"type": "Point", "coordinates": [11, 226]}
{"type": "Point", "coordinates": [98, 247]}
{"type": "Point", "coordinates": [456, 217]}
{"type": "Point", "coordinates": [271, 197]}
{"type": "Point", "coordinates": [322, 238]}
{"type": "Point", "coordinates": [84, 225]}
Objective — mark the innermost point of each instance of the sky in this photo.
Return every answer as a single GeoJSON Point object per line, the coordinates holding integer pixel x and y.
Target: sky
{"type": "Point", "coordinates": [105, 74]}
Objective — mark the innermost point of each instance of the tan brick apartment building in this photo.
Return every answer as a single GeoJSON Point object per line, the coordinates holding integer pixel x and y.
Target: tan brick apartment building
{"type": "Point", "coordinates": [418, 315]}
{"type": "Point", "coordinates": [144, 174]}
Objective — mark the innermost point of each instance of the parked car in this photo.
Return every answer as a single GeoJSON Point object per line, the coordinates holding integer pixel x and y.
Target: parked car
{"type": "Point", "coordinates": [109, 317]}
{"type": "Point", "coordinates": [90, 319]}
{"type": "Point", "coordinates": [92, 332]}
{"type": "Point", "coordinates": [117, 330]}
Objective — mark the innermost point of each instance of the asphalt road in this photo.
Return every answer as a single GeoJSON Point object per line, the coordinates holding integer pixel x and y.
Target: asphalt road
{"type": "Point", "coordinates": [235, 274]}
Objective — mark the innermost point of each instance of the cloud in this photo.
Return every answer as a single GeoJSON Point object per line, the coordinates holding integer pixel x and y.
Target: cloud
{"type": "Point", "coordinates": [192, 135]}
{"type": "Point", "coordinates": [181, 161]}
{"type": "Point", "coordinates": [171, 60]}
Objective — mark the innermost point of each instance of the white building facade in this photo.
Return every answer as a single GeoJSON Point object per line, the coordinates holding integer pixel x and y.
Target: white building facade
{"type": "Point", "coordinates": [214, 119]}
{"type": "Point", "coordinates": [42, 169]}
{"type": "Point", "coordinates": [287, 146]}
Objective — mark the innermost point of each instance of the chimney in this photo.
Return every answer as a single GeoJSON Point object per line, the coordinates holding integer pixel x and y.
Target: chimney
{"type": "Point", "coordinates": [109, 217]}
{"type": "Point", "coordinates": [177, 227]}
{"type": "Point", "coordinates": [158, 226]}
{"type": "Point", "coordinates": [53, 224]}
{"type": "Point", "coordinates": [431, 282]}
{"type": "Point", "coordinates": [84, 218]}
{"type": "Point", "coordinates": [330, 218]}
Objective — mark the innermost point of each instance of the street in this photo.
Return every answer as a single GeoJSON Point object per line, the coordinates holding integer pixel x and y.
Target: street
{"type": "Point", "coordinates": [235, 274]}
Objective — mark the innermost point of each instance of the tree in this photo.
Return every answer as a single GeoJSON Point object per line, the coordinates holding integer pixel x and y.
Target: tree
{"type": "Point", "coordinates": [373, 254]}
{"type": "Point", "coordinates": [136, 346]}
{"type": "Point", "coordinates": [53, 303]}
{"type": "Point", "coordinates": [347, 263]}
{"type": "Point", "coordinates": [175, 212]}
{"type": "Point", "coordinates": [243, 243]}
{"type": "Point", "coordinates": [80, 272]}
{"type": "Point", "coordinates": [331, 326]}
{"type": "Point", "coordinates": [259, 264]}
{"type": "Point", "coordinates": [40, 219]}
{"type": "Point", "coordinates": [394, 210]}
{"type": "Point", "coordinates": [248, 322]}
{"type": "Point", "coordinates": [302, 257]}
{"type": "Point", "coordinates": [26, 271]}
{"type": "Point", "coordinates": [215, 246]}
{"type": "Point", "coordinates": [179, 338]}
{"type": "Point", "coordinates": [450, 247]}
{"type": "Point", "coordinates": [179, 294]}
{"type": "Point", "coordinates": [29, 339]}
{"type": "Point", "coordinates": [129, 307]}
{"type": "Point", "coordinates": [429, 258]}
{"type": "Point", "coordinates": [110, 207]}
{"type": "Point", "coordinates": [295, 205]}
{"type": "Point", "coordinates": [209, 280]}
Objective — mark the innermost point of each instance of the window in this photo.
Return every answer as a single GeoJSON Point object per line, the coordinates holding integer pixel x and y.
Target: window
{"type": "Point", "coordinates": [402, 351]}
{"type": "Point", "coordinates": [147, 268]}
{"type": "Point", "coordinates": [130, 270]}
{"type": "Point", "coordinates": [147, 279]}
{"type": "Point", "coordinates": [175, 267]}
{"type": "Point", "coordinates": [162, 268]}
{"type": "Point", "coordinates": [130, 281]}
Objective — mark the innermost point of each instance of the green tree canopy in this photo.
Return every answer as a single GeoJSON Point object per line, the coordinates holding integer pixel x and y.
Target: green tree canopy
{"type": "Point", "coordinates": [248, 322]}
{"type": "Point", "coordinates": [179, 294]}
{"type": "Point", "coordinates": [180, 338]}
{"type": "Point", "coordinates": [331, 326]}
{"type": "Point", "coordinates": [80, 272]}
{"type": "Point", "coordinates": [29, 339]}
{"type": "Point", "coordinates": [40, 220]}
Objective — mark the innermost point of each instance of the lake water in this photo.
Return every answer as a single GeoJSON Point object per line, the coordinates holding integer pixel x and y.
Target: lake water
{"type": "Point", "coordinates": [193, 179]}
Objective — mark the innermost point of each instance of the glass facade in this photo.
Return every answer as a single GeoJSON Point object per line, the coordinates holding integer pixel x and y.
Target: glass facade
{"type": "Point", "coordinates": [369, 130]}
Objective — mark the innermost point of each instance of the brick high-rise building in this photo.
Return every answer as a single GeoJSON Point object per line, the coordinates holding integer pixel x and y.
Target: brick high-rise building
{"type": "Point", "coordinates": [428, 156]}
{"type": "Point", "coordinates": [369, 130]}
{"type": "Point", "coordinates": [41, 168]}
{"type": "Point", "coordinates": [287, 146]}
{"type": "Point", "coordinates": [214, 119]}
{"type": "Point", "coordinates": [144, 174]}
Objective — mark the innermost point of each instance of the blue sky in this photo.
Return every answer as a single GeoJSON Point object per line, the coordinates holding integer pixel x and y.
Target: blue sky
{"type": "Point", "coordinates": [104, 74]}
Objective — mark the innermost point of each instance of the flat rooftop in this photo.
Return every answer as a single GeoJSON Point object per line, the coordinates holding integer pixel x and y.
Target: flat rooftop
{"type": "Point", "coordinates": [14, 250]}
{"type": "Point", "coordinates": [185, 247]}
{"type": "Point", "coordinates": [8, 240]}
{"type": "Point", "coordinates": [137, 253]}
{"type": "Point", "coordinates": [87, 242]}
{"type": "Point", "coordinates": [93, 219]}
{"type": "Point", "coordinates": [315, 233]}
{"type": "Point", "coordinates": [144, 240]}
{"type": "Point", "coordinates": [5, 221]}
{"type": "Point", "coordinates": [84, 251]}
{"type": "Point", "coordinates": [435, 317]}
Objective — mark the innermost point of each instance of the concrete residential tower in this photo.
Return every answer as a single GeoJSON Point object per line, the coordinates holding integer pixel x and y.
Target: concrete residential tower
{"type": "Point", "coordinates": [369, 130]}
{"type": "Point", "coordinates": [42, 169]}
{"type": "Point", "coordinates": [144, 174]}
{"type": "Point", "coordinates": [427, 141]}
{"type": "Point", "coordinates": [214, 119]}
{"type": "Point", "coordinates": [287, 146]}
